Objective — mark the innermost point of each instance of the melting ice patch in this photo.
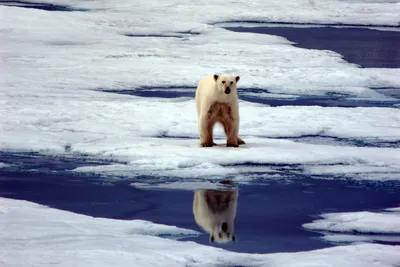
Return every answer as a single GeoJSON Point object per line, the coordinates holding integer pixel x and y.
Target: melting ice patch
{"type": "Point", "coordinates": [64, 65]}
{"type": "Point", "coordinates": [343, 238]}
{"type": "Point", "coordinates": [263, 61]}
{"type": "Point", "coordinates": [362, 226]}
{"type": "Point", "coordinates": [358, 222]}
{"type": "Point", "coordinates": [72, 227]}
{"type": "Point", "coordinates": [4, 165]}
{"type": "Point", "coordinates": [182, 185]}
{"type": "Point", "coordinates": [40, 236]}
{"type": "Point", "coordinates": [183, 158]}
{"type": "Point", "coordinates": [160, 137]}
{"type": "Point", "coordinates": [394, 209]}
{"type": "Point", "coordinates": [359, 171]}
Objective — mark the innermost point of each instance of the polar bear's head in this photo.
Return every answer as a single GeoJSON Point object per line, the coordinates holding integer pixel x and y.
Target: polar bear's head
{"type": "Point", "coordinates": [223, 233]}
{"type": "Point", "coordinates": [227, 83]}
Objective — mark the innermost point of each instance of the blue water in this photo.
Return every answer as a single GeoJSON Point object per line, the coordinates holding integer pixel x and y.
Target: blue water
{"type": "Point", "coordinates": [365, 47]}
{"type": "Point", "coordinates": [270, 212]}
{"type": "Point", "coordinates": [269, 217]}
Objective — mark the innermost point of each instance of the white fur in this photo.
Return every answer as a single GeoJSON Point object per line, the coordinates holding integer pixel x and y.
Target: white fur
{"type": "Point", "coordinates": [210, 218]}
{"type": "Point", "coordinates": [214, 105]}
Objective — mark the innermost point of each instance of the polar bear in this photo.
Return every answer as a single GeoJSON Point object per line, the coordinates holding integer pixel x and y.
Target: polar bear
{"type": "Point", "coordinates": [217, 102]}
{"type": "Point", "coordinates": [215, 212]}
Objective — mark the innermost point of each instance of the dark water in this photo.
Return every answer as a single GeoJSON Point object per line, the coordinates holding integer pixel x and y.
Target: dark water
{"type": "Point", "coordinates": [365, 47]}
{"type": "Point", "coordinates": [269, 215]}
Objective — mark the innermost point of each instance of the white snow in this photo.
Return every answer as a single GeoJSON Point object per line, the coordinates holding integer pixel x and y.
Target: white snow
{"type": "Point", "coordinates": [374, 12]}
{"type": "Point", "coordinates": [180, 185]}
{"type": "Point", "coordinates": [360, 222]}
{"type": "Point", "coordinates": [338, 238]}
{"type": "Point", "coordinates": [359, 171]}
{"type": "Point", "coordinates": [36, 235]}
{"type": "Point", "coordinates": [4, 165]}
{"type": "Point", "coordinates": [308, 25]}
{"type": "Point", "coordinates": [16, 215]}
{"type": "Point", "coordinates": [182, 158]}
{"type": "Point", "coordinates": [397, 209]}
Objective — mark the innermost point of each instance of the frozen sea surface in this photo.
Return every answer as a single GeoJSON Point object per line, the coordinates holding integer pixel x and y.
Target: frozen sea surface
{"type": "Point", "coordinates": [100, 128]}
{"type": "Point", "coordinates": [368, 48]}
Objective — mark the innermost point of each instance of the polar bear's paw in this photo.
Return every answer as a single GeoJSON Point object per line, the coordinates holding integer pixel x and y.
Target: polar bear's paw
{"type": "Point", "coordinates": [232, 145]}
{"type": "Point", "coordinates": [207, 144]}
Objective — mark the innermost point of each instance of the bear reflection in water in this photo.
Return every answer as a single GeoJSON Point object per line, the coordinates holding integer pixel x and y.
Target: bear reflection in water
{"type": "Point", "coordinates": [215, 211]}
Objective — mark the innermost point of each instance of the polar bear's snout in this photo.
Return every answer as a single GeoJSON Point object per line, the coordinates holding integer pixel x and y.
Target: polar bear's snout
{"type": "Point", "coordinates": [224, 227]}
{"type": "Point", "coordinates": [227, 90]}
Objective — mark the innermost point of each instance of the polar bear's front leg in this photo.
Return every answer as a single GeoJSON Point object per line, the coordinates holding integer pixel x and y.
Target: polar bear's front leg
{"type": "Point", "coordinates": [231, 134]}
{"type": "Point", "coordinates": [230, 122]}
{"type": "Point", "coordinates": [206, 131]}
{"type": "Point", "coordinates": [231, 131]}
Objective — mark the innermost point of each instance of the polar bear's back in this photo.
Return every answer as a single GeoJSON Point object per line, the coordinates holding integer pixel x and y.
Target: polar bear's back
{"type": "Point", "coordinates": [201, 212]}
{"type": "Point", "coordinates": [205, 89]}
{"type": "Point", "coordinates": [205, 84]}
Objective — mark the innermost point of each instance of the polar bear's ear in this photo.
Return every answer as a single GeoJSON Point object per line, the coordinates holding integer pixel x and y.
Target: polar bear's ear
{"type": "Point", "coordinates": [215, 77]}
{"type": "Point", "coordinates": [212, 239]}
{"type": "Point", "coordinates": [237, 78]}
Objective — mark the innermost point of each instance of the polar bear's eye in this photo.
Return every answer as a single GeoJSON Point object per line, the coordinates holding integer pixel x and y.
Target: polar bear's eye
{"type": "Point", "coordinates": [231, 82]}
{"type": "Point", "coordinates": [223, 81]}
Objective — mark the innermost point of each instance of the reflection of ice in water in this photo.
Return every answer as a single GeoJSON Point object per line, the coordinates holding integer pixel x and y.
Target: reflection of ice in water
{"type": "Point", "coordinates": [215, 211]}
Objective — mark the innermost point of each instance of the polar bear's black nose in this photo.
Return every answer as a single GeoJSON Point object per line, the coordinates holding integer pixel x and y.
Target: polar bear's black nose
{"type": "Point", "coordinates": [224, 227]}
{"type": "Point", "coordinates": [227, 90]}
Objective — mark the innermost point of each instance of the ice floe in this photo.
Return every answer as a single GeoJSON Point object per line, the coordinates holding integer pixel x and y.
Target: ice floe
{"type": "Point", "coordinates": [57, 65]}
{"type": "Point", "coordinates": [358, 222]}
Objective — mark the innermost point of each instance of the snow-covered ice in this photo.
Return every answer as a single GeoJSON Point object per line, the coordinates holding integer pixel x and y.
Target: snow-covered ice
{"type": "Point", "coordinates": [56, 66]}
{"type": "Point", "coordinates": [180, 185]}
{"type": "Point", "coordinates": [394, 209]}
{"type": "Point", "coordinates": [358, 222]}
{"type": "Point", "coordinates": [18, 214]}
{"type": "Point", "coordinates": [355, 171]}
{"type": "Point", "coordinates": [36, 235]}
{"type": "Point", "coordinates": [182, 158]}
{"type": "Point", "coordinates": [358, 227]}
{"type": "Point", "coordinates": [352, 239]}
{"type": "Point", "coordinates": [4, 165]}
